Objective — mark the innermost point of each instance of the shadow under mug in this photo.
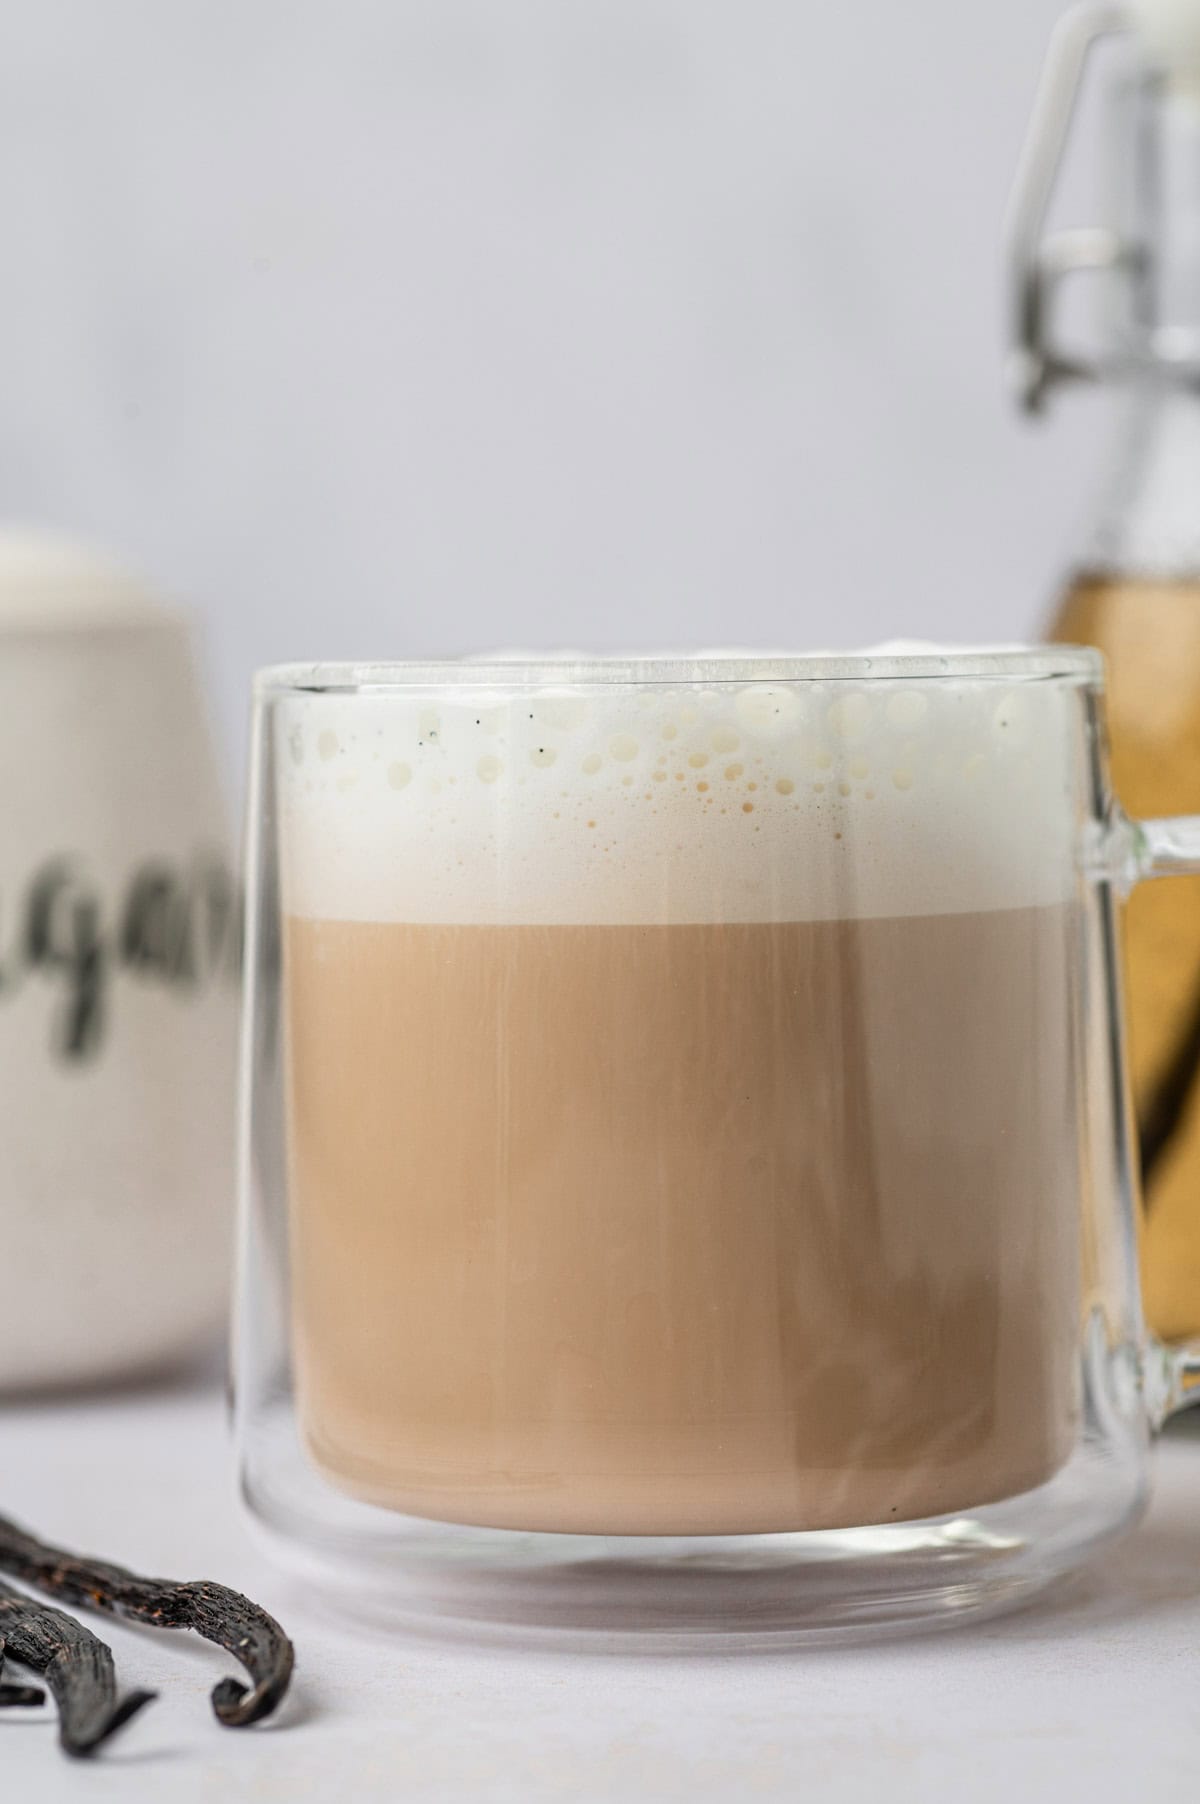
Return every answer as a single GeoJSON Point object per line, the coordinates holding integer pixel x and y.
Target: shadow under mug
{"type": "Point", "coordinates": [687, 1179]}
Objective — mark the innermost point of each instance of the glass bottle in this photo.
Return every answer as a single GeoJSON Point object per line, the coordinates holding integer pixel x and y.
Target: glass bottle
{"type": "Point", "coordinates": [1134, 590]}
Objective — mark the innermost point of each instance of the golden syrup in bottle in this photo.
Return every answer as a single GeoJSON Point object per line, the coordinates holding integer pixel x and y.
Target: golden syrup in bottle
{"type": "Point", "coordinates": [1149, 631]}
{"type": "Point", "coordinates": [1134, 593]}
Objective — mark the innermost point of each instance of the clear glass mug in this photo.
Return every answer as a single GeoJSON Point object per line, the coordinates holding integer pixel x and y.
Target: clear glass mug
{"type": "Point", "coordinates": [687, 1181]}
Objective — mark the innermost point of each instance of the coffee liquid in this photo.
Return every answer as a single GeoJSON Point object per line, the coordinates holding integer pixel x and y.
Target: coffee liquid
{"type": "Point", "coordinates": [649, 1173]}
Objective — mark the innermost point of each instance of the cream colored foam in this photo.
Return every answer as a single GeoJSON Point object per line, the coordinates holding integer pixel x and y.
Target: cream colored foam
{"type": "Point", "coordinates": [755, 801]}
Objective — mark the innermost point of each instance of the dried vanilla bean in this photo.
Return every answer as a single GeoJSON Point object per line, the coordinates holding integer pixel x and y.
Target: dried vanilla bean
{"type": "Point", "coordinates": [77, 1668]}
{"type": "Point", "coordinates": [16, 1697]}
{"type": "Point", "coordinates": [213, 1611]}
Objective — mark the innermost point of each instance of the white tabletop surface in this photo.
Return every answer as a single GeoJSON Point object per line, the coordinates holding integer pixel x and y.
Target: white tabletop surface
{"type": "Point", "coordinates": [1096, 1696]}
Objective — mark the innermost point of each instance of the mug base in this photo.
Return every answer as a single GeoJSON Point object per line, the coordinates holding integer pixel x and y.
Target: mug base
{"type": "Point", "coordinates": [705, 1593]}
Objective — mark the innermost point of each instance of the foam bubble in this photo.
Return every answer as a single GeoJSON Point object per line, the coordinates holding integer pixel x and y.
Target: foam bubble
{"type": "Point", "coordinates": [849, 716]}
{"type": "Point", "coordinates": [907, 708]}
{"type": "Point", "coordinates": [615, 804]}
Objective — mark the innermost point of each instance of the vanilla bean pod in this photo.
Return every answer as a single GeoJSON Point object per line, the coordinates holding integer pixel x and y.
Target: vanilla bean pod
{"type": "Point", "coordinates": [77, 1667]}
{"type": "Point", "coordinates": [213, 1611]}
{"type": "Point", "coordinates": [14, 1697]}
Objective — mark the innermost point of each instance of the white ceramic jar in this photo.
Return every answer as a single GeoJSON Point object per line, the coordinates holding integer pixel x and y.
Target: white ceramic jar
{"type": "Point", "coordinates": [118, 979]}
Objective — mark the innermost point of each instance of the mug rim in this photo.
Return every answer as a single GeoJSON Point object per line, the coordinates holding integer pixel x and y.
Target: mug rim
{"type": "Point", "coordinates": [1072, 664]}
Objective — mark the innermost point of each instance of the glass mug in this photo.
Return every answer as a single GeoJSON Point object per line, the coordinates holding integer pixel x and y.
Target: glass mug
{"type": "Point", "coordinates": [687, 1179]}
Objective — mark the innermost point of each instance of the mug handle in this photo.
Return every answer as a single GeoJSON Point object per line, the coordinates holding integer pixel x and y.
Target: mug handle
{"type": "Point", "coordinates": [1132, 852]}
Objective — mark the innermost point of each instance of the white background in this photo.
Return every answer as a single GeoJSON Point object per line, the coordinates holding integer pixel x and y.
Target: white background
{"type": "Point", "coordinates": [395, 326]}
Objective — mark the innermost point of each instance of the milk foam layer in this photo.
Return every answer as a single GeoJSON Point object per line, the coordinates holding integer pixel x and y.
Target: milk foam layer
{"type": "Point", "coordinates": [609, 804]}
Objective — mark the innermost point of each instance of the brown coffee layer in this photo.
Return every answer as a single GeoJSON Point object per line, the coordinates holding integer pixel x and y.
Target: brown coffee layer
{"type": "Point", "coordinates": [692, 1229]}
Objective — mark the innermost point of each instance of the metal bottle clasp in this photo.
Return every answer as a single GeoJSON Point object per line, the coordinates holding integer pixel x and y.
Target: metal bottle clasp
{"type": "Point", "coordinates": [1039, 263]}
